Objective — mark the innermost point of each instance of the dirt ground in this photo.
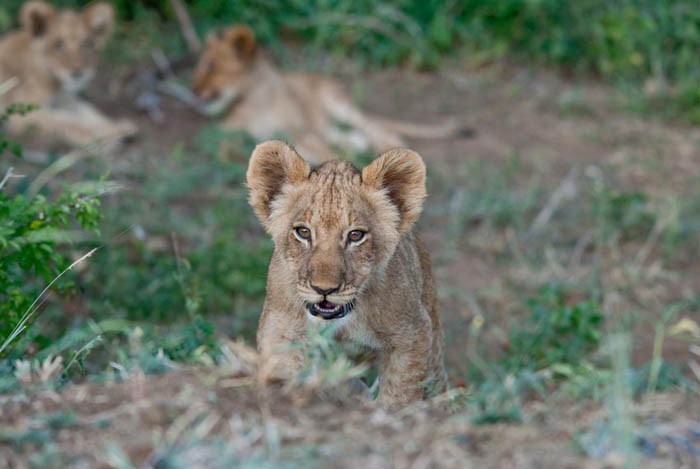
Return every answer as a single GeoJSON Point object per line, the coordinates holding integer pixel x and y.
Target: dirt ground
{"type": "Point", "coordinates": [197, 417]}
{"type": "Point", "coordinates": [218, 418]}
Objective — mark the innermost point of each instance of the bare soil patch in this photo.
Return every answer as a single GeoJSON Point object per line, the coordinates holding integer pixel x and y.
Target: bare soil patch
{"type": "Point", "coordinates": [217, 417]}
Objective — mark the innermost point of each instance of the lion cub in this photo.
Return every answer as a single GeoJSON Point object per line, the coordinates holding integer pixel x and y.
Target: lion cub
{"type": "Point", "coordinates": [345, 253]}
{"type": "Point", "coordinates": [235, 76]}
{"type": "Point", "coordinates": [48, 62]}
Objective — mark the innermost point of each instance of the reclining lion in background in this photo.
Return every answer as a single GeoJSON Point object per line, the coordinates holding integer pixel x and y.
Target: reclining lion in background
{"type": "Point", "coordinates": [234, 76]}
{"type": "Point", "coordinates": [47, 62]}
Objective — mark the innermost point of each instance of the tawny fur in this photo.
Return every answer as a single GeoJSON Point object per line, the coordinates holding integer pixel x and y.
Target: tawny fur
{"type": "Point", "coordinates": [312, 111]}
{"type": "Point", "coordinates": [51, 58]}
{"type": "Point", "coordinates": [387, 276]}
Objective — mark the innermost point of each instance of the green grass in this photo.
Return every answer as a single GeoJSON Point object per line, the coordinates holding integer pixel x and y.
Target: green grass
{"type": "Point", "coordinates": [555, 333]}
{"type": "Point", "coordinates": [550, 340]}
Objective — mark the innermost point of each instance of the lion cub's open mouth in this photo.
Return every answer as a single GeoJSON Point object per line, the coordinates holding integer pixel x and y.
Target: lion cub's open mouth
{"type": "Point", "coordinates": [328, 310]}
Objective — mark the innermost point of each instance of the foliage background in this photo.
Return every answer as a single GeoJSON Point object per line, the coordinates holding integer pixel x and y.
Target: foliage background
{"type": "Point", "coordinates": [630, 43]}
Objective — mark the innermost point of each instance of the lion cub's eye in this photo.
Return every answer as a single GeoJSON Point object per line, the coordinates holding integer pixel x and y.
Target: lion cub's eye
{"type": "Point", "coordinates": [59, 45]}
{"type": "Point", "coordinates": [355, 236]}
{"type": "Point", "coordinates": [302, 232]}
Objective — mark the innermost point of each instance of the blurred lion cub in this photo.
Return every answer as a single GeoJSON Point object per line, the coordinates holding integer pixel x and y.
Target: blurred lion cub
{"type": "Point", "coordinates": [47, 62]}
{"type": "Point", "coordinates": [235, 77]}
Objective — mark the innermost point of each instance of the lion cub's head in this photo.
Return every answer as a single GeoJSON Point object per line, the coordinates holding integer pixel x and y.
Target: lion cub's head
{"type": "Point", "coordinates": [66, 42]}
{"type": "Point", "coordinates": [225, 68]}
{"type": "Point", "coordinates": [334, 227]}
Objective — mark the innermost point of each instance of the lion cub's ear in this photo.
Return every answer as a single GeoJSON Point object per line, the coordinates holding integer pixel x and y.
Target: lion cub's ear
{"type": "Point", "coordinates": [35, 16]}
{"type": "Point", "coordinates": [272, 165]}
{"type": "Point", "coordinates": [401, 173]}
{"type": "Point", "coordinates": [100, 17]}
{"type": "Point", "coordinates": [242, 41]}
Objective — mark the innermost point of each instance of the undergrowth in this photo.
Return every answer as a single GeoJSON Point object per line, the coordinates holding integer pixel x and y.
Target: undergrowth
{"type": "Point", "coordinates": [591, 249]}
{"type": "Point", "coordinates": [152, 292]}
{"type": "Point", "coordinates": [36, 224]}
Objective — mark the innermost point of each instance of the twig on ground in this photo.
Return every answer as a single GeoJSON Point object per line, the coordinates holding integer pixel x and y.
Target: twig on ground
{"type": "Point", "coordinates": [169, 85]}
{"type": "Point", "coordinates": [181, 93]}
{"type": "Point", "coordinates": [580, 248]}
{"type": "Point", "coordinates": [8, 84]}
{"type": "Point", "coordinates": [693, 364]}
{"type": "Point", "coordinates": [567, 190]}
{"type": "Point", "coordinates": [9, 175]}
{"type": "Point", "coordinates": [644, 252]}
{"type": "Point", "coordinates": [188, 31]}
{"type": "Point", "coordinates": [162, 63]}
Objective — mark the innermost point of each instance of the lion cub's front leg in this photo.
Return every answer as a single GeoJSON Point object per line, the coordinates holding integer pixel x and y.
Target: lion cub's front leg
{"type": "Point", "coordinates": [404, 367]}
{"type": "Point", "coordinates": [277, 335]}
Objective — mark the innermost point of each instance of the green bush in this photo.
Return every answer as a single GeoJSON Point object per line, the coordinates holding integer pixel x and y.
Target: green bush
{"type": "Point", "coordinates": [37, 225]}
{"type": "Point", "coordinates": [32, 230]}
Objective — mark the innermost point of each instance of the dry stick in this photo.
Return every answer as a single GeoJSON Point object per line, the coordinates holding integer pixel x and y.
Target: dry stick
{"type": "Point", "coordinates": [645, 250]}
{"type": "Point", "coordinates": [7, 177]}
{"type": "Point", "coordinates": [183, 94]}
{"type": "Point", "coordinates": [190, 35]}
{"type": "Point", "coordinates": [692, 364]}
{"type": "Point", "coordinates": [172, 87]}
{"type": "Point", "coordinates": [7, 85]}
{"type": "Point", "coordinates": [567, 190]}
{"type": "Point", "coordinates": [10, 174]}
{"type": "Point", "coordinates": [162, 63]}
{"type": "Point", "coordinates": [579, 249]}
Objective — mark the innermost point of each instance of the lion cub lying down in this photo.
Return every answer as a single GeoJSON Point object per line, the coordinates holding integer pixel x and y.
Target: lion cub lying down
{"type": "Point", "coordinates": [345, 253]}
{"type": "Point", "coordinates": [48, 61]}
{"type": "Point", "coordinates": [234, 76]}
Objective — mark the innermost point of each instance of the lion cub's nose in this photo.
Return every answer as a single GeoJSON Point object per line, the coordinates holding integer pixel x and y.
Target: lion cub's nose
{"type": "Point", "coordinates": [325, 291]}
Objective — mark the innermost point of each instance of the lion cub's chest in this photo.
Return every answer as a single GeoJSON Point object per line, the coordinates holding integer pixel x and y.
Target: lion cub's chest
{"type": "Point", "coordinates": [351, 330]}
